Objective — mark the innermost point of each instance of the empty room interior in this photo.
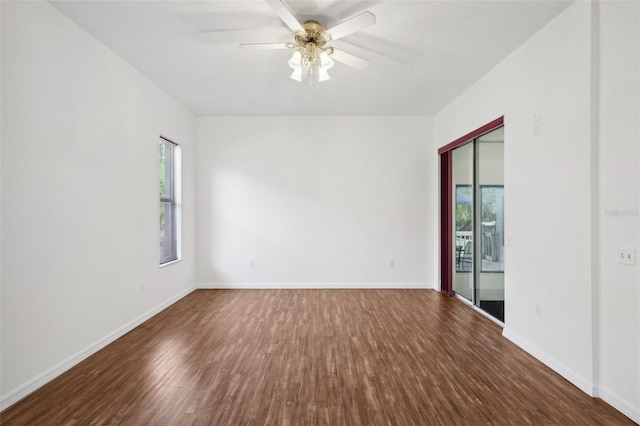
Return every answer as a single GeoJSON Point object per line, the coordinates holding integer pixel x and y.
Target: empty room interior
{"type": "Point", "coordinates": [320, 212]}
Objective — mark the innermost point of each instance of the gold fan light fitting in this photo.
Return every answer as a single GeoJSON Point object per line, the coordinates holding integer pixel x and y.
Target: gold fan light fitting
{"type": "Point", "coordinates": [314, 33]}
{"type": "Point", "coordinates": [312, 54]}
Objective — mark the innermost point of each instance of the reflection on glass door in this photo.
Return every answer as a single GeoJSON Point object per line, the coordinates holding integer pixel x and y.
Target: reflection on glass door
{"type": "Point", "coordinates": [462, 180]}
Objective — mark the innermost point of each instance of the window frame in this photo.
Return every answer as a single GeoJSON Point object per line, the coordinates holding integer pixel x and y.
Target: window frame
{"type": "Point", "coordinates": [172, 197]}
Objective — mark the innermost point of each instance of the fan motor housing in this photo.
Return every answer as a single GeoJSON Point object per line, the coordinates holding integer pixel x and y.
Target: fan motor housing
{"type": "Point", "coordinates": [315, 33]}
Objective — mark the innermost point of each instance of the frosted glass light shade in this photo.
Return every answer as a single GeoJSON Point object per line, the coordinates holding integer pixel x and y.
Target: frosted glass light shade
{"type": "Point", "coordinates": [297, 74]}
{"type": "Point", "coordinates": [296, 60]}
{"type": "Point", "coordinates": [325, 61]}
{"type": "Point", "coordinates": [323, 75]}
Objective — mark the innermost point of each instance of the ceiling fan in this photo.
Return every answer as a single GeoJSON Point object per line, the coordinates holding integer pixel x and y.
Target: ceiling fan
{"type": "Point", "coordinates": [312, 54]}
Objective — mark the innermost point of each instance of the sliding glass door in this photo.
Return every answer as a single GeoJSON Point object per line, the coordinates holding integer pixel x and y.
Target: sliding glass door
{"type": "Point", "coordinates": [463, 223]}
{"type": "Point", "coordinates": [475, 220]}
{"type": "Point", "coordinates": [489, 220]}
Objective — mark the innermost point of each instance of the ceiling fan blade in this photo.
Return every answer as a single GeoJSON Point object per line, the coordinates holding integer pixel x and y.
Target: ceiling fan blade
{"type": "Point", "coordinates": [285, 14]}
{"type": "Point", "coordinates": [265, 46]}
{"type": "Point", "coordinates": [349, 59]}
{"type": "Point", "coordinates": [350, 26]}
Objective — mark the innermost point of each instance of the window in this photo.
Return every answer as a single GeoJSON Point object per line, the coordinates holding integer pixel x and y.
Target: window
{"type": "Point", "coordinates": [169, 172]}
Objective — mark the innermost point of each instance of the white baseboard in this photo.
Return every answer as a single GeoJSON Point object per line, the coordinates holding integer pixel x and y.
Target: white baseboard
{"type": "Point", "coordinates": [580, 382]}
{"type": "Point", "coordinates": [620, 404]}
{"type": "Point", "coordinates": [256, 286]}
{"type": "Point", "coordinates": [37, 382]}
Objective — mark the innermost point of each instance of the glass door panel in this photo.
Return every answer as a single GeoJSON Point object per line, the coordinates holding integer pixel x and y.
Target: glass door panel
{"type": "Point", "coordinates": [489, 223]}
{"type": "Point", "coordinates": [463, 206]}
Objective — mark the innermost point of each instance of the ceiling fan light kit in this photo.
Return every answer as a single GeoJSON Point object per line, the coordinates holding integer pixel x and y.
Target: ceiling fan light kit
{"type": "Point", "coordinates": [312, 56]}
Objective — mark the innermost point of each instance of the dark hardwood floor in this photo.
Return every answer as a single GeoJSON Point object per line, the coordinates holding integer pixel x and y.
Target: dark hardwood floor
{"type": "Point", "coordinates": [307, 357]}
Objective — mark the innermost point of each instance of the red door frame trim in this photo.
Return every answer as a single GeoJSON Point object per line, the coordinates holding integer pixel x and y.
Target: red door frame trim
{"type": "Point", "coordinates": [446, 202]}
{"type": "Point", "coordinates": [472, 135]}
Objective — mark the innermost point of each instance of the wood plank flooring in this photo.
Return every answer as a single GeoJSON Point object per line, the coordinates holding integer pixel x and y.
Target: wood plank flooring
{"type": "Point", "coordinates": [309, 357]}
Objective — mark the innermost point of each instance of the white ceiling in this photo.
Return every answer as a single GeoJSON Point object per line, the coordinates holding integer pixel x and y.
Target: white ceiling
{"type": "Point", "coordinates": [422, 53]}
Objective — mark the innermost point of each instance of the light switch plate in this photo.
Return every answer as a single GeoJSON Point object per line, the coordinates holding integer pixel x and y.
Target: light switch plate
{"type": "Point", "coordinates": [627, 256]}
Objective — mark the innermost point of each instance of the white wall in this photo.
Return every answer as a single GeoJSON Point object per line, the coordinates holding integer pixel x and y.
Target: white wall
{"type": "Point", "coordinates": [561, 246]}
{"type": "Point", "coordinates": [619, 190]}
{"type": "Point", "coordinates": [80, 134]}
{"type": "Point", "coordinates": [314, 201]}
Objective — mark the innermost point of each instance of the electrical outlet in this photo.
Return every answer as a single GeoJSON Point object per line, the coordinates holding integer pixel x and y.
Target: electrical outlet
{"type": "Point", "coordinates": [538, 310]}
{"type": "Point", "coordinates": [627, 256]}
{"type": "Point", "coordinates": [391, 263]}
{"type": "Point", "coordinates": [252, 264]}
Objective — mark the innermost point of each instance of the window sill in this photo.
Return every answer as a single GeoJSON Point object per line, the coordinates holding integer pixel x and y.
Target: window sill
{"type": "Point", "coordinates": [162, 265]}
